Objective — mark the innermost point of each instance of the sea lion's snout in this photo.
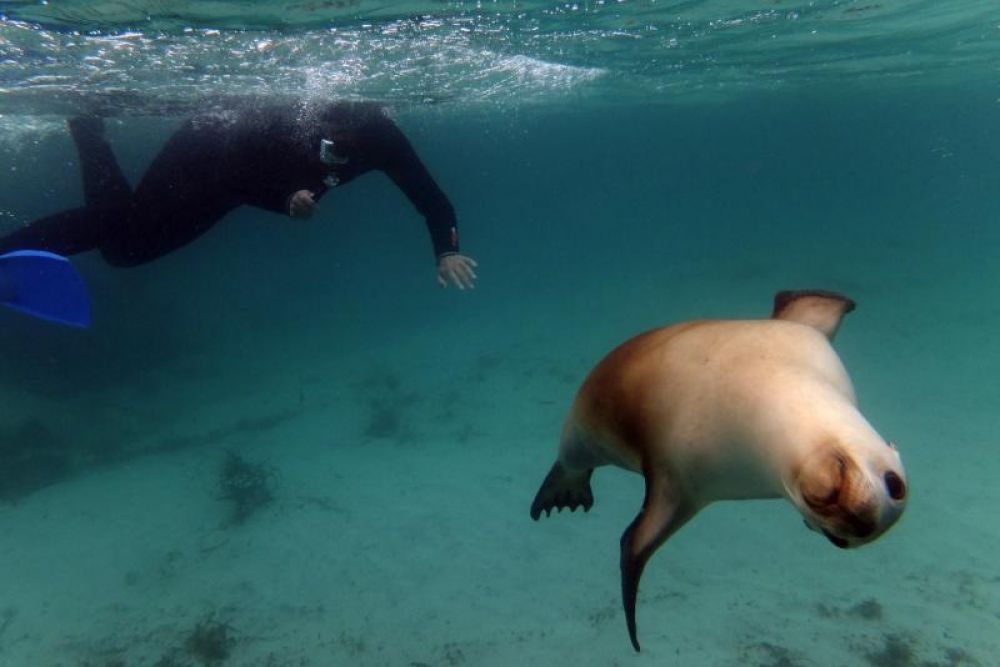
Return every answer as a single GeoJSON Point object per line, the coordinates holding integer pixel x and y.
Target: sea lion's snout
{"type": "Point", "coordinates": [847, 528]}
{"type": "Point", "coordinates": [838, 542]}
{"type": "Point", "coordinates": [851, 502]}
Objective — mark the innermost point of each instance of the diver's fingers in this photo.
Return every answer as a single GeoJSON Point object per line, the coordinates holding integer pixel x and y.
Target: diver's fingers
{"type": "Point", "coordinates": [456, 278]}
{"type": "Point", "coordinates": [463, 270]}
{"type": "Point", "coordinates": [457, 270]}
{"type": "Point", "coordinates": [466, 275]}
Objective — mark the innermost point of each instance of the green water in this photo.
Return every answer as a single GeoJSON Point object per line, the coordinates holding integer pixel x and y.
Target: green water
{"type": "Point", "coordinates": [614, 167]}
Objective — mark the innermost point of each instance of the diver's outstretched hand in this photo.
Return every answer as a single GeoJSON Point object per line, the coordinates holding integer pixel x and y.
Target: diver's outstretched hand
{"type": "Point", "coordinates": [459, 270]}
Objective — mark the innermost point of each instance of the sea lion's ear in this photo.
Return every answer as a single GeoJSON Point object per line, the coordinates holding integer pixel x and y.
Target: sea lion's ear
{"type": "Point", "coordinates": [819, 309]}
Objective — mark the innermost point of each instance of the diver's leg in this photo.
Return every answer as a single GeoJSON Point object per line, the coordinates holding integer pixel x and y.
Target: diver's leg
{"type": "Point", "coordinates": [104, 184]}
{"type": "Point", "coordinates": [106, 192]}
{"type": "Point", "coordinates": [66, 233]}
{"type": "Point", "coordinates": [157, 228]}
{"type": "Point", "coordinates": [180, 197]}
{"type": "Point", "coordinates": [125, 235]}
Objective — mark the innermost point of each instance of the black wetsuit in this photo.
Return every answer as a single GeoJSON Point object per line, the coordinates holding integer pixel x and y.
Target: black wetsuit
{"type": "Point", "coordinates": [258, 156]}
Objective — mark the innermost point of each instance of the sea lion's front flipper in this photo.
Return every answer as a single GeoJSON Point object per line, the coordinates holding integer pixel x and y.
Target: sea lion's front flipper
{"type": "Point", "coordinates": [662, 514]}
{"type": "Point", "coordinates": [819, 309]}
{"type": "Point", "coordinates": [563, 488]}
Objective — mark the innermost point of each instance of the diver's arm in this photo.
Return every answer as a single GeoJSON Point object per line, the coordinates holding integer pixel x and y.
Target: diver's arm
{"type": "Point", "coordinates": [400, 162]}
{"type": "Point", "coordinates": [282, 197]}
{"type": "Point", "coordinates": [394, 155]}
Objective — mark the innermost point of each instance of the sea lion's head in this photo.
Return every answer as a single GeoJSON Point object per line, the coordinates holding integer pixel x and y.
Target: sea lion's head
{"type": "Point", "coordinates": [851, 495]}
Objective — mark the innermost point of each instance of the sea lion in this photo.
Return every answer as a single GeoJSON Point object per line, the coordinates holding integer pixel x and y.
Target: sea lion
{"type": "Point", "coordinates": [728, 410]}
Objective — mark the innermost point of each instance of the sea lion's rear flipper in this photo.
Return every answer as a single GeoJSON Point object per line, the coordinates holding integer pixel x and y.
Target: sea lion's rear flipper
{"type": "Point", "coordinates": [819, 309]}
{"type": "Point", "coordinates": [661, 516]}
{"type": "Point", "coordinates": [563, 488]}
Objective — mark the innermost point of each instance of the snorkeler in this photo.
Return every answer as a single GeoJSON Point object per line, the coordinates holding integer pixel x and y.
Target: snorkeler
{"type": "Point", "coordinates": [280, 158]}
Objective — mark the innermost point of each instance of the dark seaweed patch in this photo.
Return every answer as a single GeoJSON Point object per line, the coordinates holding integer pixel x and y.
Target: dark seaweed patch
{"type": "Point", "coordinates": [900, 650]}
{"type": "Point", "coordinates": [766, 654]}
{"type": "Point", "coordinates": [32, 457]}
{"type": "Point", "coordinates": [385, 420]}
{"type": "Point", "coordinates": [869, 609]}
{"type": "Point", "coordinates": [246, 485]}
{"type": "Point", "coordinates": [209, 642]}
{"type": "Point", "coordinates": [896, 651]}
{"type": "Point", "coordinates": [388, 406]}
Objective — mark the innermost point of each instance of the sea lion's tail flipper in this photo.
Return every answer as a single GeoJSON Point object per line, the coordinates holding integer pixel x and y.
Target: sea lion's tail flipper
{"type": "Point", "coordinates": [819, 309]}
{"type": "Point", "coordinates": [661, 516]}
{"type": "Point", "coordinates": [563, 488]}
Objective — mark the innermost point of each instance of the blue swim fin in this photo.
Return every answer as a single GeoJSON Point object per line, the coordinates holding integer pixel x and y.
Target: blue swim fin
{"type": "Point", "coordinates": [45, 285]}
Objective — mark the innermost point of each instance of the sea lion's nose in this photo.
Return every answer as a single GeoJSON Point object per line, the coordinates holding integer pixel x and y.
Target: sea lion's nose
{"type": "Point", "coordinates": [895, 485]}
{"type": "Point", "coordinates": [861, 525]}
{"type": "Point", "coordinates": [863, 528]}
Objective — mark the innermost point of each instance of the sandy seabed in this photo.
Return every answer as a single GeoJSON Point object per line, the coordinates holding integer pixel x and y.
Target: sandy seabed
{"type": "Point", "coordinates": [403, 461]}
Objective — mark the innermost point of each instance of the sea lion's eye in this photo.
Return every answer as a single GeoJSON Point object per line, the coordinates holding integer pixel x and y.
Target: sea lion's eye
{"type": "Point", "coordinates": [895, 486]}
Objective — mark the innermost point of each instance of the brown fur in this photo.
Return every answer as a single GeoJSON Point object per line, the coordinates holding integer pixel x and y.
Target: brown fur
{"type": "Point", "coordinates": [614, 400]}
